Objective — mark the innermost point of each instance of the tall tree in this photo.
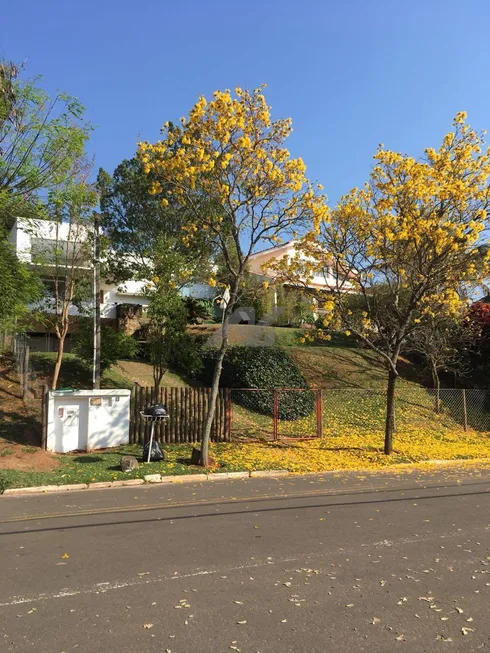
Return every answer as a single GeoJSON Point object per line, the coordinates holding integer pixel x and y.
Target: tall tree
{"type": "Point", "coordinates": [227, 167]}
{"type": "Point", "coordinates": [140, 229]}
{"type": "Point", "coordinates": [407, 243]}
{"type": "Point", "coordinates": [63, 256]}
{"type": "Point", "coordinates": [40, 137]}
{"type": "Point", "coordinates": [19, 287]}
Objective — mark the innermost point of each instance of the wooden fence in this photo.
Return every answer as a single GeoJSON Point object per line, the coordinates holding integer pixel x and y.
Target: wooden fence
{"type": "Point", "coordinates": [187, 408]}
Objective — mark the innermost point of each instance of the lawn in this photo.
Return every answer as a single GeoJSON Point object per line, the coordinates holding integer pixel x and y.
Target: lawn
{"type": "Point", "coordinates": [142, 373]}
{"type": "Point", "coordinates": [74, 373]}
{"type": "Point", "coordinates": [334, 452]}
{"type": "Point", "coordinates": [353, 412]}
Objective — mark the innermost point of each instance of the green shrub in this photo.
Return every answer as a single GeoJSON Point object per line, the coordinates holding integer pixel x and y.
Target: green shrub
{"type": "Point", "coordinates": [199, 310]}
{"type": "Point", "coordinates": [265, 368]}
{"type": "Point", "coordinates": [114, 345]}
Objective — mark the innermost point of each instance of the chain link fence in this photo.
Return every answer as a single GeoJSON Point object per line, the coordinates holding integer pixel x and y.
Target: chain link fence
{"type": "Point", "coordinates": [252, 414]}
{"type": "Point", "coordinates": [18, 351]}
{"type": "Point", "coordinates": [302, 413]}
{"type": "Point", "coordinates": [22, 361]}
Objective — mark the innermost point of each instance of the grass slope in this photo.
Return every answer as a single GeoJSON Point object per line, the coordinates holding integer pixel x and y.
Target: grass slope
{"type": "Point", "coordinates": [74, 373]}
{"type": "Point", "coordinates": [142, 374]}
{"type": "Point", "coordinates": [349, 367]}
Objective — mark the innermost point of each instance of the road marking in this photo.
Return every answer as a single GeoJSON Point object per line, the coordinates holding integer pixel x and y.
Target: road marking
{"type": "Point", "coordinates": [181, 504]}
{"type": "Point", "coordinates": [116, 585]}
{"type": "Point", "coordinates": [219, 500]}
{"type": "Point", "coordinates": [364, 489]}
{"type": "Point", "coordinates": [108, 586]}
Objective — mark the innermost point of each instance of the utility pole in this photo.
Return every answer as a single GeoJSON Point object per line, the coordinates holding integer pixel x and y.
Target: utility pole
{"type": "Point", "coordinates": [96, 316]}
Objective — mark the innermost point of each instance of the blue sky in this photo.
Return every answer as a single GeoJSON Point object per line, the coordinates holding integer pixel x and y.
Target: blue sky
{"type": "Point", "coordinates": [350, 73]}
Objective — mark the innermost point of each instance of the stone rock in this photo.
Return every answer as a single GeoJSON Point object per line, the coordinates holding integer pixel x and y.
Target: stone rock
{"type": "Point", "coordinates": [129, 318]}
{"type": "Point", "coordinates": [153, 478]}
{"type": "Point", "coordinates": [128, 463]}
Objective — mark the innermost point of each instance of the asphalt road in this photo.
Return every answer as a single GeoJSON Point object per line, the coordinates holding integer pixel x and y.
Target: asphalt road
{"type": "Point", "coordinates": [354, 562]}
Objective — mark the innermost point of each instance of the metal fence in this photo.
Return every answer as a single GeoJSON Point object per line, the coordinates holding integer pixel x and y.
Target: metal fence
{"type": "Point", "coordinates": [246, 414]}
{"type": "Point", "coordinates": [302, 413]}
{"type": "Point", "coordinates": [22, 361]}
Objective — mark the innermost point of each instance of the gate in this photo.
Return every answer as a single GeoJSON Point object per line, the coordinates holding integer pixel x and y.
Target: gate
{"type": "Point", "coordinates": [278, 414]}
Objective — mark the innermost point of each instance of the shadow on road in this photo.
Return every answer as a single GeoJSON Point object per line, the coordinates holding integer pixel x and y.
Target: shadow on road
{"type": "Point", "coordinates": [249, 501]}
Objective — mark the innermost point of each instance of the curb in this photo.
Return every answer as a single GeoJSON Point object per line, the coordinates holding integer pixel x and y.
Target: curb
{"type": "Point", "coordinates": [149, 479]}
{"type": "Point", "coordinates": [224, 476]}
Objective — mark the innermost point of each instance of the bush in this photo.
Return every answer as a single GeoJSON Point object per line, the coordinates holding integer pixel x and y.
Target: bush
{"type": "Point", "coordinates": [199, 310]}
{"type": "Point", "coordinates": [114, 345]}
{"type": "Point", "coordinates": [265, 368]}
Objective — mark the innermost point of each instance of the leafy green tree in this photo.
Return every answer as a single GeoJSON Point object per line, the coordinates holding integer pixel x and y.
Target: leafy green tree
{"type": "Point", "coordinates": [63, 258]}
{"type": "Point", "coordinates": [114, 345]}
{"type": "Point", "coordinates": [40, 137]}
{"type": "Point", "coordinates": [143, 233]}
{"type": "Point", "coordinates": [20, 287]}
{"type": "Point", "coordinates": [169, 345]}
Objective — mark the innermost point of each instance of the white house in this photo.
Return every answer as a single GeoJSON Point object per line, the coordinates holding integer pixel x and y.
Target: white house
{"type": "Point", "coordinates": [34, 239]}
{"type": "Point", "coordinates": [123, 304]}
{"type": "Point", "coordinates": [326, 281]}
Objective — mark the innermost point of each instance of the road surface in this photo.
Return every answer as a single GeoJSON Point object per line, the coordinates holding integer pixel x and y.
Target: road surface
{"type": "Point", "coordinates": [338, 562]}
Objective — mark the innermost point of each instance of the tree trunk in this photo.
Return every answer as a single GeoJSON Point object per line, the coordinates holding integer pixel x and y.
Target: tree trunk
{"type": "Point", "coordinates": [158, 374]}
{"type": "Point", "coordinates": [390, 411]}
{"type": "Point", "coordinates": [437, 385]}
{"type": "Point", "coordinates": [59, 358]}
{"type": "Point", "coordinates": [214, 391]}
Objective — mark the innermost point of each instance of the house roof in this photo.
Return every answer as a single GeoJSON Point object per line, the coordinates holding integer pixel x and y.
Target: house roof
{"type": "Point", "coordinates": [272, 249]}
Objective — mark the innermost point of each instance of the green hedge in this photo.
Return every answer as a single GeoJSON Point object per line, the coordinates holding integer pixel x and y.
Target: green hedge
{"type": "Point", "coordinates": [265, 368]}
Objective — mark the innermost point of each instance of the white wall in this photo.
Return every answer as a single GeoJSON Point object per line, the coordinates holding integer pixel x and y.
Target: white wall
{"type": "Point", "coordinates": [200, 291]}
{"type": "Point", "coordinates": [24, 231]}
{"type": "Point", "coordinates": [129, 292]}
{"type": "Point", "coordinates": [77, 423]}
{"type": "Point", "coordinates": [288, 250]}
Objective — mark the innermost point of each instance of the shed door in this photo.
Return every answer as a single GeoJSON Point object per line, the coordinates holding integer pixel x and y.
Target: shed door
{"type": "Point", "coordinates": [70, 418]}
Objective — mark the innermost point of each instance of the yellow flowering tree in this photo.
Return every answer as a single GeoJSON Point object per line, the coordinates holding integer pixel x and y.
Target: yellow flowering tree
{"type": "Point", "coordinates": [400, 250]}
{"type": "Point", "coordinates": [226, 164]}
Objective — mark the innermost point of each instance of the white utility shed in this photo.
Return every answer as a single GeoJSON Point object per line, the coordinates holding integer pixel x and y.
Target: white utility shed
{"type": "Point", "coordinates": [87, 419]}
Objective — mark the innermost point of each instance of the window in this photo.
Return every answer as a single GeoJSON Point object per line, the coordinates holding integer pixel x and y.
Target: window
{"type": "Point", "coordinates": [50, 287]}
{"type": "Point", "coordinates": [62, 252]}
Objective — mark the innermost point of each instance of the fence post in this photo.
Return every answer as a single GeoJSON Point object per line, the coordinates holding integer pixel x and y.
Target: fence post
{"type": "Point", "coordinates": [319, 415]}
{"type": "Point", "coordinates": [25, 371]}
{"type": "Point", "coordinates": [44, 417]}
{"type": "Point", "coordinates": [228, 415]}
{"type": "Point", "coordinates": [465, 412]}
{"type": "Point", "coordinates": [275, 416]}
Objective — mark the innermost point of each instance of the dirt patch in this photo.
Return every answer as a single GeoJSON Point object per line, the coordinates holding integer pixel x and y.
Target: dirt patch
{"type": "Point", "coordinates": [20, 422]}
{"type": "Point", "coordinates": [24, 458]}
